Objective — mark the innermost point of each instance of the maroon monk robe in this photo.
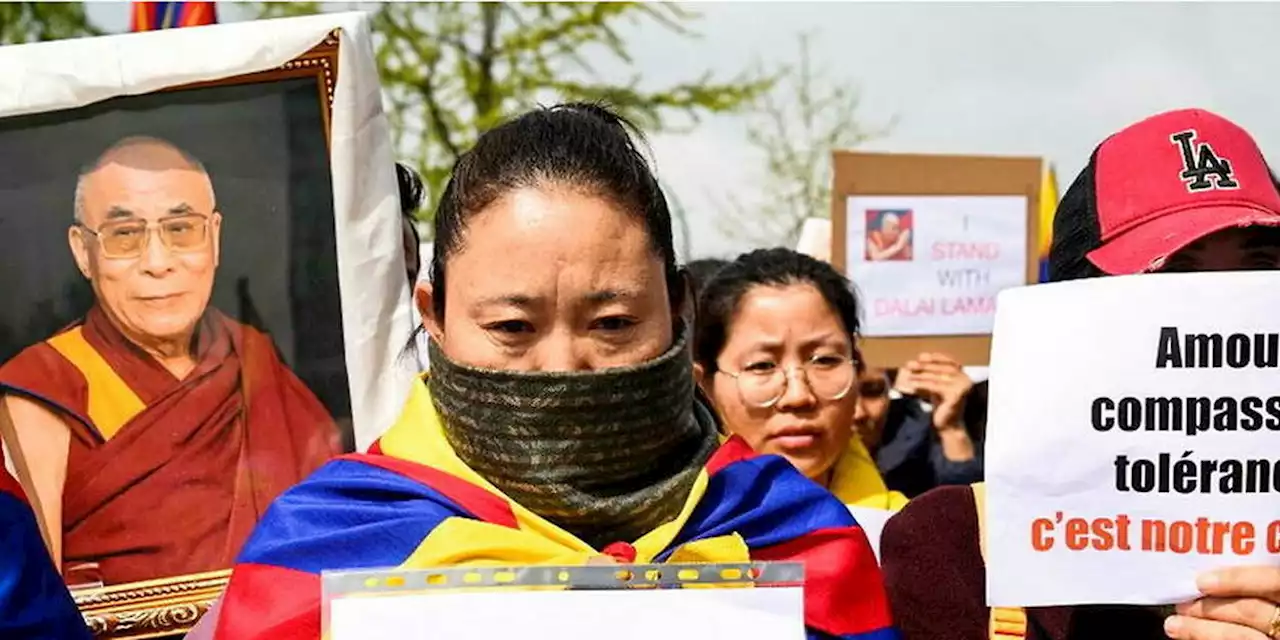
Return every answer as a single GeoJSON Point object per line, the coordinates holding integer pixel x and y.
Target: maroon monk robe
{"type": "Point", "coordinates": [178, 488]}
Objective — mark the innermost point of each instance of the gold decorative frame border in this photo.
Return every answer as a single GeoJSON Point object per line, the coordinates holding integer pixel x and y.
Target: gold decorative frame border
{"type": "Point", "coordinates": [164, 608]}
{"type": "Point", "coordinates": [170, 607]}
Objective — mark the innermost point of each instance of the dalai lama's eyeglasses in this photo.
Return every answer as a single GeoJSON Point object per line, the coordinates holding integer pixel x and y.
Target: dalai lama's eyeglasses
{"type": "Point", "coordinates": [128, 238]}
{"type": "Point", "coordinates": [762, 384]}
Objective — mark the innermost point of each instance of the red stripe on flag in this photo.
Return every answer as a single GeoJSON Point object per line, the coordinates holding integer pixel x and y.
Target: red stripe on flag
{"type": "Point", "coordinates": [143, 17]}
{"type": "Point", "coordinates": [844, 591]}
{"type": "Point", "coordinates": [735, 449]}
{"type": "Point", "coordinates": [263, 601]}
{"type": "Point", "coordinates": [485, 506]}
{"type": "Point", "coordinates": [197, 14]}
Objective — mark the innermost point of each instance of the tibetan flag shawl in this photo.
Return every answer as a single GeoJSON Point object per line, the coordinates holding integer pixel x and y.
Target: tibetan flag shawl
{"type": "Point", "coordinates": [411, 503]}
{"type": "Point", "coordinates": [34, 602]}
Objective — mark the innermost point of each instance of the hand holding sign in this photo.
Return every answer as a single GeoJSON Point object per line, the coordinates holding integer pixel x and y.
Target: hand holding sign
{"type": "Point", "coordinates": [1240, 602]}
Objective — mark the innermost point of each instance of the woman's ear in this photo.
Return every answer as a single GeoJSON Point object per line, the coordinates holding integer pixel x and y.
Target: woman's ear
{"type": "Point", "coordinates": [700, 377]}
{"type": "Point", "coordinates": [424, 299]}
{"type": "Point", "coordinates": [683, 301]}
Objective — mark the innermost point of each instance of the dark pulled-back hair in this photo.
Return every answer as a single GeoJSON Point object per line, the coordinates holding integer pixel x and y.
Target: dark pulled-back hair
{"type": "Point", "coordinates": [411, 190]}
{"type": "Point", "coordinates": [719, 300]}
{"type": "Point", "coordinates": [409, 185]}
{"type": "Point", "coordinates": [581, 146]}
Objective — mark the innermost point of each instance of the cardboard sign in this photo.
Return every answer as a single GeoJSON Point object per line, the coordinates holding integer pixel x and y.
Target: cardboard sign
{"type": "Point", "coordinates": [932, 266]}
{"type": "Point", "coordinates": [1131, 437]}
{"type": "Point", "coordinates": [894, 181]}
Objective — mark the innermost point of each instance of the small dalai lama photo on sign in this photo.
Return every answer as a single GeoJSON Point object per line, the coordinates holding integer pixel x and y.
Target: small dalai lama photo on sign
{"type": "Point", "coordinates": [889, 235]}
{"type": "Point", "coordinates": [174, 357]}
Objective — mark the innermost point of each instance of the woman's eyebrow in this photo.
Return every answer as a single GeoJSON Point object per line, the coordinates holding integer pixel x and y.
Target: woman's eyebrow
{"type": "Point", "coordinates": [603, 296]}
{"type": "Point", "coordinates": [507, 300]}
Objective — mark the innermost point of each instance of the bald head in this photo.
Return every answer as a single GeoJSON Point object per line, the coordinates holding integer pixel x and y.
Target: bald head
{"type": "Point", "coordinates": [142, 154]}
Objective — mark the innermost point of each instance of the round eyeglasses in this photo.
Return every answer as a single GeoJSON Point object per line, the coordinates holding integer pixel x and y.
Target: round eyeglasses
{"type": "Point", "coordinates": [128, 238]}
{"type": "Point", "coordinates": [762, 384]}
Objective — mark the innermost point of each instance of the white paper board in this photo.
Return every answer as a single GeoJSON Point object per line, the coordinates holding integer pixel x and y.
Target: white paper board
{"type": "Point", "coordinates": [1069, 356]}
{"type": "Point", "coordinates": [773, 613]}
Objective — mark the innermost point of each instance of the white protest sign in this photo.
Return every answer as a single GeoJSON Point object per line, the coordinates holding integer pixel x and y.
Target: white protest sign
{"type": "Point", "coordinates": [775, 613]}
{"type": "Point", "coordinates": [620, 602]}
{"type": "Point", "coordinates": [927, 265]}
{"type": "Point", "coordinates": [1131, 438]}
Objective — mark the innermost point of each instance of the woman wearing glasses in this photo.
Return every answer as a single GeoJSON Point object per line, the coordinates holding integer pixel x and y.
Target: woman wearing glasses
{"type": "Point", "coordinates": [776, 353]}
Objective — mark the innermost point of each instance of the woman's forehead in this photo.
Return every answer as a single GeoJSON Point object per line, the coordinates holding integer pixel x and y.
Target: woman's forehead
{"type": "Point", "coordinates": [791, 315]}
{"type": "Point", "coordinates": [554, 228]}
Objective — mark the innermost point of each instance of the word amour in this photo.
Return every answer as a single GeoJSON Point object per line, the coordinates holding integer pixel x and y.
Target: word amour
{"type": "Point", "coordinates": [1215, 350]}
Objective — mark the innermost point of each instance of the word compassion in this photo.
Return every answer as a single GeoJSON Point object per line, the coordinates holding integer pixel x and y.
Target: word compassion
{"type": "Point", "coordinates": [1192, 415]}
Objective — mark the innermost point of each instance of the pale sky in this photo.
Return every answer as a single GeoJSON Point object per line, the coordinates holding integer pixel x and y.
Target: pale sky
{"type": "Point", "coordinates": [1038, 79]}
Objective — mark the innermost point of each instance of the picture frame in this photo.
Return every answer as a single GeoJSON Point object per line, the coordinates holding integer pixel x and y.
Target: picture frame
{"type": "Point", "coordinates": [170, 607]}
{"type": "Point", "coordinates": [333, 54]}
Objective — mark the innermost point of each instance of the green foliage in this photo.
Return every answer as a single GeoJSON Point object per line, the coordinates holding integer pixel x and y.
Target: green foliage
{"type": "Point", "coordinates": [452, 70]}
{"type": "Point", "coordinates": [22, 22]}
{"type": "Point", "coordinates": [796, 126]}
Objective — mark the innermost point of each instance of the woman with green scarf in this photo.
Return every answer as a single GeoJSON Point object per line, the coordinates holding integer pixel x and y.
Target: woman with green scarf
{"type": "Point", "coordinates": [558, 423]}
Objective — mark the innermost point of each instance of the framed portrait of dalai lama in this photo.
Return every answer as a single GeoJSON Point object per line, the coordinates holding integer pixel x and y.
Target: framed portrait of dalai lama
{"type": "Point", "coordinates": [203, 287]}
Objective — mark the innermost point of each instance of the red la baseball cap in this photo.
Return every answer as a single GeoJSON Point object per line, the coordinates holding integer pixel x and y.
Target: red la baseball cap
{"type": "Point", "coordinates": [1170, 180]}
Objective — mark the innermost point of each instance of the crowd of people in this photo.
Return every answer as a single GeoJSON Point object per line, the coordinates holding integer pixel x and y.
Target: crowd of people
{"type": "Point", "coordinates": [587, 398]}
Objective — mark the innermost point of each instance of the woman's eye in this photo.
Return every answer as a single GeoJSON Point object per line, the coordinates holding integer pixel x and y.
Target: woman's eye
{"type": "Point", "coordinates": [510, 326]}
{"type": "Point", "coordinates": [614, 323]}
{"type": "Point", "coordinates": [828, 361]}
{"type": "Point", "coordinates": [760, 367]}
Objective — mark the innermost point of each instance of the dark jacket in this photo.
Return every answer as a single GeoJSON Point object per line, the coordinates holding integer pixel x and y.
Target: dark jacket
{"type": "Point", "coordinates": [910, 456]}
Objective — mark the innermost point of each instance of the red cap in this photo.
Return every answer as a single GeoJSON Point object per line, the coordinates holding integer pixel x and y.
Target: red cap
{"type": "Point", "coordinates": [1171, 180]}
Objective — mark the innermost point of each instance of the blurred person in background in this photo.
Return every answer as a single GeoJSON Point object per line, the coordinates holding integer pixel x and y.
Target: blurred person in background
{"type": "Point", "coordinates": [916, 426]}
{"type": "Point", "coordinates": [702, 271]}
{"type": "Point", "coordinates": [410, 188]}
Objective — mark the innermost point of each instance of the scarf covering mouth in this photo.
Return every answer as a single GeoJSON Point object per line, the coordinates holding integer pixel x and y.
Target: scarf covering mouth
{"type": "Point", "coordinates": [607, 455]}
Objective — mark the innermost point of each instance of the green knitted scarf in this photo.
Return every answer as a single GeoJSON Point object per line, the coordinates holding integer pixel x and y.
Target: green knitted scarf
{"type": "Point", "coordinates": [607, 455]}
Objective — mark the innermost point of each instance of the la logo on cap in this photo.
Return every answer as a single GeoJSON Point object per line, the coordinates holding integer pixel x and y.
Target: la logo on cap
{"type": "Point", "coordinates": [1202, 168]}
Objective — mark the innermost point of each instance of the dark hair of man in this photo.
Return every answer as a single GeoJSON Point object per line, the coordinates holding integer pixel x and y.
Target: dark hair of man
{"type": "Point", "coordinates": [719, 300]}
{"type": "Point", "coordinates": [583, 146]}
